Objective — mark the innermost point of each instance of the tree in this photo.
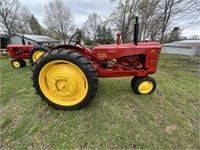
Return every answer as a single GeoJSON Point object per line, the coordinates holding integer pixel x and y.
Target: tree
{"type": "Point", "coordinates": [174, 35]}
{"type": "Point", "coordinates": [109, 37]}
{"type": "Point", "coordinates": [58, 19]}
{"type": "Point", "coordinates": [35, 27]}
{"type": "Point", "coordinates": [155, 16]}
{"type": "Point", "coordinates": [91, 25]}
{"type": "Point", "coordinates": [195, 37]}
{"type": "Point", "coordinates": [122, 18]}
{"type": "Point", "coordinates": [167, 7]}
{"type": "Point", "coordinates": [22, 22]}
{"type": "Point", "coordinates": [26, 23]}
{"type": "Point", "coordinates": [149, 19]}
{"type": "Point", "coordinates": [174, 8]}
{"type": "Point", "coordinates": [104, 35]}
{"type": "Point", "coordinates": [16, 19]}
{"type": "Point", "coordinates": [99, 34]}
{"type": "Point", "coordinates": [8, 15]}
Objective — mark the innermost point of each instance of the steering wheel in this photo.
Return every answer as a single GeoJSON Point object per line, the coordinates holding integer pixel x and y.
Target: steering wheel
{"type": "Point", "coordinates": [75, 39]}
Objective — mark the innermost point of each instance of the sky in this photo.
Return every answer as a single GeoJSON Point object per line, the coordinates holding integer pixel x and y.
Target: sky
{"type": "Point", "coordinates": [80, 10]}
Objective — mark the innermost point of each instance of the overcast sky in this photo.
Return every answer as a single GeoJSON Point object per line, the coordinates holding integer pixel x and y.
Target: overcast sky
{"type": "Point", "coordinates": [80, 10]}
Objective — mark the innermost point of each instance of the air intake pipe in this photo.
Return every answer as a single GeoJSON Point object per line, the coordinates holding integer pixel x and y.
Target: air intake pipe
{"type": "Point", "coordinates": [136, 31]}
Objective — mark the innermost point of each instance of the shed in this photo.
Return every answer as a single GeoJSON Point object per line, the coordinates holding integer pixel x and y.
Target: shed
{"type": "Point", "coordinates": [33, 39]}
{"type": "Point", "coordinates": [185, 47]}
{"type": "Point", "coordinates": [4, 41]}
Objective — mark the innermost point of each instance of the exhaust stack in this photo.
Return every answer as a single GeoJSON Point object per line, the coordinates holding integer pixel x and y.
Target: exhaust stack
{"type": "Point", "coordinates": [23, 41]}
{"type": "Point", "coordinates": [136, 31]}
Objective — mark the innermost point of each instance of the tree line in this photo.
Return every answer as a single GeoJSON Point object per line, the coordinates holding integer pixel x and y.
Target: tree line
{"type": "Point", "coordinates": [155, 19]}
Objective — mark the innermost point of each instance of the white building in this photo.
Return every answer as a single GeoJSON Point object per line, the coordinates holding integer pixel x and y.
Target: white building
{"type": "Point", "coordinates": [33, 39]}
{"type": "Point", "coordinates": [185, 47]}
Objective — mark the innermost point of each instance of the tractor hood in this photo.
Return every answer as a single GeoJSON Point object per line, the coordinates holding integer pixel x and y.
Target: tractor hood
{"type": "Point", "coordinates": [19, 46]}
{"type": "Point", "coordinates": [128, 45]}
{"type": "Point", "coordinates": [113, 51]}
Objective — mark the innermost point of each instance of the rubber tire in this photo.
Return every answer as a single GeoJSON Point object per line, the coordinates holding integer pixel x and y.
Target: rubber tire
{"type": "Point", "coordinates": [139, 80]}
{"type": "Point", "coordinates": [22, 62]}
{"type": "Point", "coordinates": [19, 61]}
{"type": "Point", "coordinates": [33, 50]}
{"type": "Point", "coordinates": [133, 81]}
{"type": "Point", "coordinates": [75, 58]}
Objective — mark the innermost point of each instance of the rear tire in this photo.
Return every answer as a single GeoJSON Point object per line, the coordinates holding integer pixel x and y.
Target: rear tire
{"type": "Point", "coordinates": [65, 79]}
{"type": "Point", "coordinates": [144, 85]}
{"type": "Point", "coordinates": [36, 52]}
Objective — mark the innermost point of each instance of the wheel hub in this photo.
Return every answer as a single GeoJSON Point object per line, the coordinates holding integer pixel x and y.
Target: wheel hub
{"type": "Point", "coordinates": [145, 87]}
{"type": "Point", "coordinates": [63, 85]}
{"type": "Point", "coordinates": [16, 64]}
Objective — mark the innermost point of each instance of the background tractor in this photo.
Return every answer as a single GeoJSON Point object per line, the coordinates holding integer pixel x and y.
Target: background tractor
{"type": "Point", "coordinates": [67, 78]}
{"type": "Point", "coordinates": [19, 52]}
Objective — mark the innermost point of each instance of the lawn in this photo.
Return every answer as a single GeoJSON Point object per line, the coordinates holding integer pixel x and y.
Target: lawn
{"type": "Point", "coordinates": [115, 119]}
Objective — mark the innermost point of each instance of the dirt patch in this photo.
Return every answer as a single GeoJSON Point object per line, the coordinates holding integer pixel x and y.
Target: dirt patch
{"type": "Point", "coordinates": [170, 128]}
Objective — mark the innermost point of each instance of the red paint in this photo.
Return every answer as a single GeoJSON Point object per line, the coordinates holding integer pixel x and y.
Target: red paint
{"type": "Point", "coordinates": [116, 60]}
{"type": "Point", "coordinates": [19, 51]}
{"type": "Point", "coordinates": [129, 59]}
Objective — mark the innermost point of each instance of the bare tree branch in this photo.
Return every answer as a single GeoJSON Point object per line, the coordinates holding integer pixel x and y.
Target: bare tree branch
{"type": "Point", "coordinates": [8, 15]}
{"type": "Point", "coordinates": [91, 26]}
{"type": "Point", "coordinates": [58, 19]}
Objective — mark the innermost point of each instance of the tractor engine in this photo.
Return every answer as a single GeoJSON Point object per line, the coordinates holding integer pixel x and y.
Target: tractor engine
{"type": "Point", "coordinates": [19, 52]}
{"type": "Point", "coordinates": [129, 62]}
{"type": "Point", "coordinates": [124, 63]}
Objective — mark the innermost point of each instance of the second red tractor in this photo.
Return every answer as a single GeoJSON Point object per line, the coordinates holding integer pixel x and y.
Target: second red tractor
{"type": "Point", "coordinates": [19, 52]}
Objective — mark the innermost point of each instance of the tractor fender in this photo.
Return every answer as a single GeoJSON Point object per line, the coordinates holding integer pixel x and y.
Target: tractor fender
{"type": "Point", "coordinates": [70, 47]}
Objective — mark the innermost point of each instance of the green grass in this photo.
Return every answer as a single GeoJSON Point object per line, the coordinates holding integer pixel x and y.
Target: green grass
{"type": "Point", "coordinates": [115, 119]}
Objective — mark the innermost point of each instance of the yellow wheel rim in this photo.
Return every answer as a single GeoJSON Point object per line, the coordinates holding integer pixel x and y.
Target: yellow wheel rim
{"type": "Point", "coordinates": [16, 64]}
{"type": "Point", "coordinates": [63, 83]}
{"type": "Point", "coordinates": [37, 55]}
{"type": "Point", "coordinates": [145, 87]}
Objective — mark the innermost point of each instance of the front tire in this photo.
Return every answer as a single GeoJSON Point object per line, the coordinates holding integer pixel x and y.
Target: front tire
{"type": "Point", "coordinates": [133, 81]}
{"type": "Point", "coordinates": [143, 85]}
{"type": "Point", "coordinates": [22, 62]}
{"type": "Point", "coordinates": [65, 79]}
{"type": "Point", "coordinates": [18, 63]}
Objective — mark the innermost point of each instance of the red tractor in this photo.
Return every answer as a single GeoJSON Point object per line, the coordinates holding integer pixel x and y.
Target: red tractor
{"type": "Point", "coordinates": [67, 78]}
{"type": "Point", "coordinates": [19, 52]}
